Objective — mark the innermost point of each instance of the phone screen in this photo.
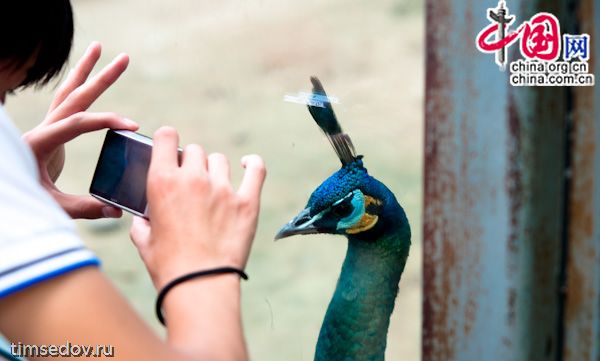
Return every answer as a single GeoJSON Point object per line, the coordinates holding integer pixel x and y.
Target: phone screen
{"type": "Point", "coordinates": [122, 170]}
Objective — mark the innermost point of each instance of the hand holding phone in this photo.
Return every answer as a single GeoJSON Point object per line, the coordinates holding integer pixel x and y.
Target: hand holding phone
{"type": "Point", "coordinates": [67, 119]}
{"type": "Point", "coordinates": [197, 219]}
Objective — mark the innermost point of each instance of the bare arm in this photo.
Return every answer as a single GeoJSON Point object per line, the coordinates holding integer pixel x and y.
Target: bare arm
{"type": "Point", "coordinates": [81, 307]}
{"type": "Point", "coordinates": [84, 308]}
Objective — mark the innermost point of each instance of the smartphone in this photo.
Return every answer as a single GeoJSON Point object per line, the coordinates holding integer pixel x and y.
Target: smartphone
{"type": "Point", "coordinates": [122, 170]}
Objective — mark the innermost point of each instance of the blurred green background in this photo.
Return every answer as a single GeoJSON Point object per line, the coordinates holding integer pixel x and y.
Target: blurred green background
{"type": "Point", "coordinates": [218, 71]}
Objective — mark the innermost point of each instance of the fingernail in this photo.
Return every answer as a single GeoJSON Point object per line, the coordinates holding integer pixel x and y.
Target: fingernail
{"type": "Point", "coordinates": [243, 160]}
{"type": "Point", "coordinates": [92, 45]}
{"type": "Point", "coordinates": [122, 56]}
{"type": "Point", "coordinates": [111, 212]}
{"type": "Point", "coordinates": [130, 122]}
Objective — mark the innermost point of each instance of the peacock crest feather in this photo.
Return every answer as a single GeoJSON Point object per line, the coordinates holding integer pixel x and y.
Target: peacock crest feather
{"type": "Point", "coordinates": [327, 121]}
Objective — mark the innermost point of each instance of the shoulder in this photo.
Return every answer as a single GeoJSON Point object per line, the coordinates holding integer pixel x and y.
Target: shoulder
{"type": "Point", "coordinates": [37, 237]}
{"type": "Point", "coordinates": [15, 156]}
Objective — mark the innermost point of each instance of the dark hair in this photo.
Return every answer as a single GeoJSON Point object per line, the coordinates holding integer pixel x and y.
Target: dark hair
{"type": "Point", "coordinates": [41, 30]}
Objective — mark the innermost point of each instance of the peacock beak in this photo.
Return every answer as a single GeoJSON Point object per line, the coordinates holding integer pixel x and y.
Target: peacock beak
{"type": "Point", "coordinates": [303, 223]}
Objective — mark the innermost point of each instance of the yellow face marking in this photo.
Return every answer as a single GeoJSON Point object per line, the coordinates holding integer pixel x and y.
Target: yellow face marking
{"type": "Point", "coordinates": [370, 200]}
{"type": "Point", "coordinates": [368, 220]}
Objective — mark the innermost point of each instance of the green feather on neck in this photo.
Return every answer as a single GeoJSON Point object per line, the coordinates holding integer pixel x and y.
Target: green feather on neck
{"type": "Point", "coordinates": [357, 319]}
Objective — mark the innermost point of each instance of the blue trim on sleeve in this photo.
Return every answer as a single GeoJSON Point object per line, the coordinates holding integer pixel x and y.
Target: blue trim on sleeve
{"type": "Point", "coordinates": [40, 260]}
{"type": "Point", "coordinates": [49, 275]}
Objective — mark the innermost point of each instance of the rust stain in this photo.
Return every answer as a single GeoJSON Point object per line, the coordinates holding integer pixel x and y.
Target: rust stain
{"type": "Point", "coordinates": [535, 184]}
{"type": "Point", "coordinates": [512, 307]}
{"type": "Point", "coordinates": [470, 312]}
{"type": "Point", "coordinates": [576, 299]}
{"type": "Point", "coordinates": [468, 268]}
{"type": "Point", "coordinates": [439, 189]}
{"type": "Point", "coordinates": [514, 183]}
{"type": "Point", "coordinates": [583, 264]}
{"type": "Point", "coordinates": [451, 244]}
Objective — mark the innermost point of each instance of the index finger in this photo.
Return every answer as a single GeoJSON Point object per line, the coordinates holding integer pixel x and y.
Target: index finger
{"type": "Point", "coordinates": [78, 75]}
{"type": "Point", "coordinates": [254, 177]}
{"type": "Point", "coordinates": [165, 150]}
{"type": "Point", "coordinates": [81, 98]}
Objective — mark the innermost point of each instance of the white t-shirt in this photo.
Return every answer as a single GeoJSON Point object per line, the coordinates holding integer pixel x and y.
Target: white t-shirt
{"type": "Point", "coordinates": [38, 240]}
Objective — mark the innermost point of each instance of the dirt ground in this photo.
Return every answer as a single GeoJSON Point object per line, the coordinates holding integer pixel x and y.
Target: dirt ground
{"type": "Point", "coordinates": [218, 71]}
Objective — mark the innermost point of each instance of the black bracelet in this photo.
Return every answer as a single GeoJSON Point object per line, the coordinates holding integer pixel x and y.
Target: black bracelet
{"type": "Point", "coordinates": [187, 277]}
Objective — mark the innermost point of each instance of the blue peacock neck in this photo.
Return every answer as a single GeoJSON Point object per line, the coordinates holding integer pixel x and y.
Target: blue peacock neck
{"type": "Point", "coordinates": [357, 319]}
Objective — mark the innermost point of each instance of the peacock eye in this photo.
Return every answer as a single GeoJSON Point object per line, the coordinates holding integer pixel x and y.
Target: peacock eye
{"type": "Point", "coordinates": [342, 210]}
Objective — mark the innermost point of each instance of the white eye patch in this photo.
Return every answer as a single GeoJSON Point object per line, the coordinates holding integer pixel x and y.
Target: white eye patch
{"type": "Point", "coordinates": [358, 205]}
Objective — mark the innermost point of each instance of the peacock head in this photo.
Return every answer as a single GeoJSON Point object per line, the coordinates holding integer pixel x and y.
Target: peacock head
{"type": "Point", "coordinates": [350, 201]}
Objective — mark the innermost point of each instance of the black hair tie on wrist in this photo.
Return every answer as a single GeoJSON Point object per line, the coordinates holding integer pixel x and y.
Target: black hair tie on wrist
{"type": "Point", "coordinates": [187, 277]}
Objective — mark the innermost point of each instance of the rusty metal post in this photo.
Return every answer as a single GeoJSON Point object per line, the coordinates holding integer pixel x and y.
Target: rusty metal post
{"type": "Point", "coordinates": [501, 214]}
{"type": "Point", "coordinates": [582, 307]}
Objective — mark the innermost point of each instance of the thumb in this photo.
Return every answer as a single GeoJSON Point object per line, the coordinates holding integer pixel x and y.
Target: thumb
{"type": "Point", "coordinates": [45, 139]}
{"type": "Point", "coordinates": [140, 232]}
{"type": "Point", "coordinates": [86, 207]}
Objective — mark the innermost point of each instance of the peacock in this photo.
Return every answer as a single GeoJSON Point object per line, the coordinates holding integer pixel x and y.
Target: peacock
{"type": "Point", "coordinates": [353, 203]}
